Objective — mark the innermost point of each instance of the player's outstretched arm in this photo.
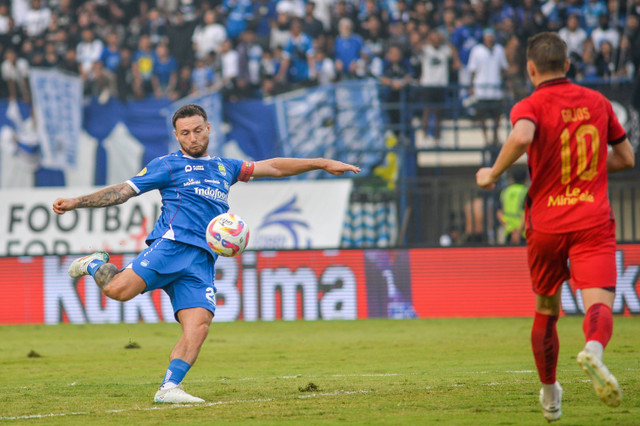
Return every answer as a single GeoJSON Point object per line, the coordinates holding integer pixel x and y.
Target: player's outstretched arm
{"type": "Point", "coordinates": [109, 196]}
{"type": "Point", "coordinates": [514, 147]}
{"type": "Point", "coordinates": [620, 157]}
{"type": "Point", "coordinates": [282, 167]}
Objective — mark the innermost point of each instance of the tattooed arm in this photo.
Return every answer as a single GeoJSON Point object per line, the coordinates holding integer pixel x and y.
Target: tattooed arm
{"type": "Point", "coordinates": [109, 196]}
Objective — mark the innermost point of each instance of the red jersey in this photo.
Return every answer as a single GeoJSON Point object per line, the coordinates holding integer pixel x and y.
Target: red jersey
{"type": "Point", "coordinates": [567, 158]}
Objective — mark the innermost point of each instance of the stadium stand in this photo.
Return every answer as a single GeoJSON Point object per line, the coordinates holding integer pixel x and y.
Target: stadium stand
{"type": "Point", "coordinates": [418, 51]}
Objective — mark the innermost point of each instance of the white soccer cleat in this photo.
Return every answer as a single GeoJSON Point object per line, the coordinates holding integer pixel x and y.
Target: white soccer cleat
{"type": "Point", "coordinates": [175, 395]}
{"type": "Point", "coordinates": [79, 266]}
{"type": "Point", "coordinates": [552, 411]}
{"type": "Point", "coordinates": [604, 382]}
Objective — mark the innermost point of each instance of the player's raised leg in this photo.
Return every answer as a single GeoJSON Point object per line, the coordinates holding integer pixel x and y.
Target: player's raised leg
{"type": "Point", "coordinates": [115, 284]}
{"type": "Point", "coordinates": [546, 346]}
{"type": "Point", "coordinates": [598, 328]}
{"type": "Point", "coordinates": [195, 327]}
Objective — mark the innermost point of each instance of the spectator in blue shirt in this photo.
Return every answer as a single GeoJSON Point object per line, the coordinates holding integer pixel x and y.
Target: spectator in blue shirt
{"type": "Point", "coordinates": [347, 47]}
{"type": "Point", "coordinates": [165, 72]}
{"type": "Point", "coordinates": [264, 13]}
{"type": "Point", "coordinates": [297, 57]}
{"type": "Point", "coordinates": [498, 11]}
{"type": "Point", "coordinates": [202, 77]}
{"type": "Point", "coordinates": [591, 12]}
{"type": "Point", "coordinates": [111, 53]}
{"type": "Point", "coordinates": [467, 35]}
{"type": "Point", "coordinates": [239, 13]}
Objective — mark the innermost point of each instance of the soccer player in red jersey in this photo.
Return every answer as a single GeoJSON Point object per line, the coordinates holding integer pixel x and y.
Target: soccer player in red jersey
{"type": "Point", "coordinates": [566, 131]}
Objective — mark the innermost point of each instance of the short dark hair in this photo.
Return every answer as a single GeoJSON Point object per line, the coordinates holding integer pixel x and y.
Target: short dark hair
{"type": "Point", "coordinates": [188, 111]}
{"type": "Point", "coordinates": [547, 51]}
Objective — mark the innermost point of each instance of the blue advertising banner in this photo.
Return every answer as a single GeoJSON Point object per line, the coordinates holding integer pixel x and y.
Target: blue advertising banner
{"type": "Point", "coordinates": [249, 126]}
{"type": "Point", "coordinates": [114, 140]}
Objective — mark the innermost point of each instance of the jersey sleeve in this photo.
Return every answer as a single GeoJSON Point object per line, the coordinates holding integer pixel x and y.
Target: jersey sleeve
{"type": "Point", "coordinates": [242, 170]}
{"type": "Point", "coordinates": [523, 110]}
{"type": "Point", "coordinates": [155, 175]}
{"type": "Point", "coordinates": [616, 132]}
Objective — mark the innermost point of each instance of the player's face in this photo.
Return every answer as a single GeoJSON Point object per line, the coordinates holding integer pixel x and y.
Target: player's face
{"type": "Point", "coordinates": [193, 135]}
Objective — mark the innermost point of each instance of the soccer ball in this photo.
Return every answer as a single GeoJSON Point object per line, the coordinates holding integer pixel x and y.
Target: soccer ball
{"type": "Point", "coordinates": [227, 234]}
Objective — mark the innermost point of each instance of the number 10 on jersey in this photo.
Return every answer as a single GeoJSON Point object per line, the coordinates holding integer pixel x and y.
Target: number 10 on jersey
{"type": "Point", "coordinates": [584, 171]}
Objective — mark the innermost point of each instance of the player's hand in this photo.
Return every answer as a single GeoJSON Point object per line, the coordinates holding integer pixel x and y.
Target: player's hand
{"type": "Point", "coordinates": [485, 178]}
{"type": "Point", "coordinates": [62, 205]}
{"type": "Point", "coordinates": [339, 168]}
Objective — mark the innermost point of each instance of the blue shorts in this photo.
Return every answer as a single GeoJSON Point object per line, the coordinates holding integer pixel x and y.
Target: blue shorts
{"type": "Point", "coordinates": [183, 271]}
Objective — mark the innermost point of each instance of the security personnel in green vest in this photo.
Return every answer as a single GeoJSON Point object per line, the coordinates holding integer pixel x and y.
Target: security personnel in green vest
{"type": "Point", "coordinates": [511, 213]}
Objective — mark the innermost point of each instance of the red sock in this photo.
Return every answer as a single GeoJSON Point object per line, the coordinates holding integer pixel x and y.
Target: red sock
{"type": "Point", "coordinates": [545, 344]}
{"type": "Point", "coordinates": [598, 324]}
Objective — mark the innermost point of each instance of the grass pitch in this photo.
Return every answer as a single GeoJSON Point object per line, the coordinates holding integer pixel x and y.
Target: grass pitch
{"type": "Point", "coordinates": [449, 371]}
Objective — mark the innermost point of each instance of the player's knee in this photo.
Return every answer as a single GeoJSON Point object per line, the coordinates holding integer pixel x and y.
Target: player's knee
{"type": "Point", "coordinates": [198, 332]}
{"type": "Point", "coordinates": [548, 305]}
{"type": "Point", "coordinates": [202, 330]}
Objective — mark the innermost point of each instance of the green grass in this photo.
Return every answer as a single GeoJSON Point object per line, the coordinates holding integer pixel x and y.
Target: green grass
{"type": "Point", "coordinates": [450, 371]}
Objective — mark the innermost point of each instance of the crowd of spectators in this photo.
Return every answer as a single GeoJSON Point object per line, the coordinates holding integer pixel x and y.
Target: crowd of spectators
{"type": "Point", "coordinates": [171, 48]}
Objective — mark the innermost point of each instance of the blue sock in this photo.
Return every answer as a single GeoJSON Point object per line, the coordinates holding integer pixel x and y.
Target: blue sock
{"type": "Point", "coordinates": [176, 371]}
{"type": "Point", "coordinates": [93, 266]}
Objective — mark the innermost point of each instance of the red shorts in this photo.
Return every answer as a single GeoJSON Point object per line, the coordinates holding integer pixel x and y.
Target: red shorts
{"type": "Point", "coordinates": [591, 253]}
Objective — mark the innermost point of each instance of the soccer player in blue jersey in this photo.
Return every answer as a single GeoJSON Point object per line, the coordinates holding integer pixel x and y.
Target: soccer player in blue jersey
{"type": "Point", "coordinates": [194, 188]}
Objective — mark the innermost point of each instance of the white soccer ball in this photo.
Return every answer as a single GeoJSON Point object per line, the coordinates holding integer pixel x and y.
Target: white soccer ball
{"type": "Point", "coordinates": [227, 234]}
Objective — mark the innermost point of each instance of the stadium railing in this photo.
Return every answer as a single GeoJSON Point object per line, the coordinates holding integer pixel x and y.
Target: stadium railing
{"type": "Point", "coordinates": [434, 195]}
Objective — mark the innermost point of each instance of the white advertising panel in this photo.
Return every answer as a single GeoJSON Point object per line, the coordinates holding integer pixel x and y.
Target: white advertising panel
{"type": "Point", "coordinates": [292, 214]}
{"type": "Point", "coordinates": [31, 228]}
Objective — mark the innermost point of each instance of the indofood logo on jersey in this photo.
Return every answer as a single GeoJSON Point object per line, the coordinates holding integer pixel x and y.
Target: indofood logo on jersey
{"type": "Point", "coordinates": [283, 227]}
{"type": "Point", "coordinates": [214, 194]}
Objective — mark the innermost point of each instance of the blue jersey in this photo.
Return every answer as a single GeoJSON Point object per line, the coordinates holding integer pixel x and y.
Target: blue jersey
{"type": "Point", "coordinates": [163, 70]}
{"type": "Point", "coordinates": [110, 58]}
{"type": "Point", "coordinates": [348, 49]}
{"type": "Point", "coordinates": [298, 49]}
{"type": "Point", "coordinates": [238, 12]}
{"type": "Point", "coordinates": [464, 38]}
{"type": "Point", "coordinates": [193, 190]}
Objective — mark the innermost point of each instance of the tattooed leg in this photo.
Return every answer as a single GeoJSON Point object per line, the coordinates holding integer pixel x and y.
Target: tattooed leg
{"type": "Point", "coordinates": [105, 274]}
